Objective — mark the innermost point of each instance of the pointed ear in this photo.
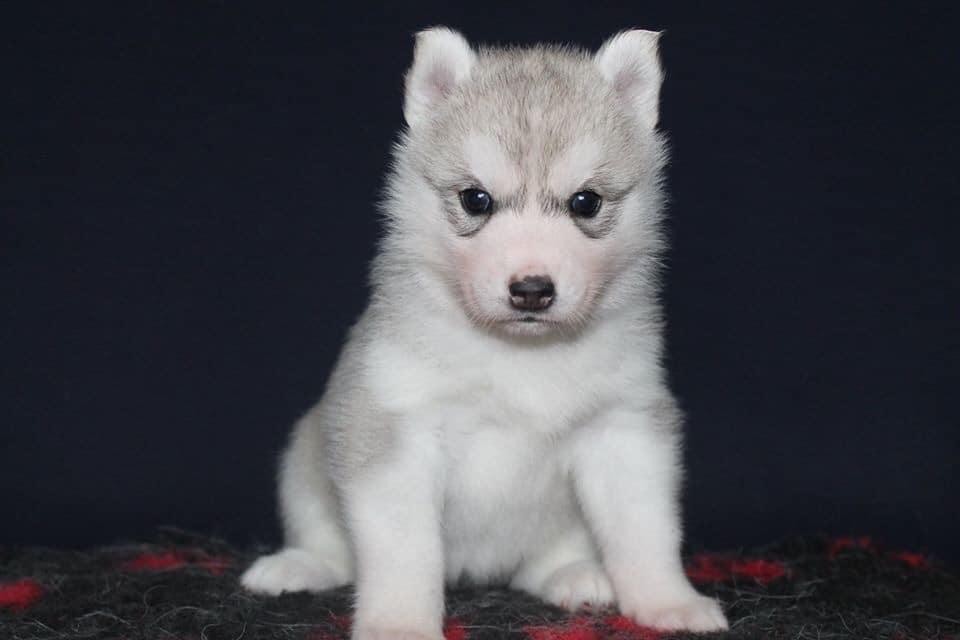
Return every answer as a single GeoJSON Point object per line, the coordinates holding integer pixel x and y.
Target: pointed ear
{"type": "Point", "coordinates": [442, 59]}
{"type": "Point", "coordinates": [629, 62]}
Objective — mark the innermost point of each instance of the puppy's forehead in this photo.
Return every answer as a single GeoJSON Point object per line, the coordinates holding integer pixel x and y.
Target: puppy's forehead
{"type": "Point", "coordinates": [489, 162]}
{"type": "Point", "coordinates": [557, 165]}
{"type": "Point", "coordinates": [533, 157]}
{"type": "Point", "coordinates": [531, 121]}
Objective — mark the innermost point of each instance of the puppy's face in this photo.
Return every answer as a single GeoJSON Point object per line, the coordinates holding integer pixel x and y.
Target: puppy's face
{"type": "Point", "coordinates": [540, 170]}
{"type": "Point", "coordinates": [533, 236]}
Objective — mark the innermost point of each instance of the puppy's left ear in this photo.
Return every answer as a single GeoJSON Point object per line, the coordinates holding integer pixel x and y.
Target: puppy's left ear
{"type": "Point", "coordinates": [442, 59]}
{"type": "Point", "coordinates": [630, 62]}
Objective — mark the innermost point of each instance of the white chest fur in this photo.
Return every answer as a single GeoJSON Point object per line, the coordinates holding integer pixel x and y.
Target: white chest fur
{"type": "Point", "coordinates": [507, 493]}
{"type": "Point", "coordinates": [506, 416]}
{"type": "Point", "coordinates": [546, 389]}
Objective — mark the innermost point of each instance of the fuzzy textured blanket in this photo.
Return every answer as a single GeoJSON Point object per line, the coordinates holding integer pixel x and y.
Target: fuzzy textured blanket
{"type": "Point", "coordinates": [183, 586]}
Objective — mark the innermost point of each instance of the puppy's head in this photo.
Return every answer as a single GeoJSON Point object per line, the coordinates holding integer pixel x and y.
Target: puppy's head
{"type": "Point", "coordinates": [528, 179]}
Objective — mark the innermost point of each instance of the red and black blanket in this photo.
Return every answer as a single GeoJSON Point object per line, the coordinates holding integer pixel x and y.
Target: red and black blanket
{"type": "Point", "coordinates": [182, 586]}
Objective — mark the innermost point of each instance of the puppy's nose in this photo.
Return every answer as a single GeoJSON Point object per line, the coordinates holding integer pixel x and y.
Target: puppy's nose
{"type": "Point", "coordinates": [533, 293]}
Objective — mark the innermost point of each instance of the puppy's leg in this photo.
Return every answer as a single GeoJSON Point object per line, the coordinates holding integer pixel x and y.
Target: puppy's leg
{"type": "Point", "coordinates": [566, 573]}
{"type": "Point", "coordinates": [626, 473]}
{"type": "Point", "coordinates": [393, 512]}
{"type": "Point", "coordinates": [316, 556]}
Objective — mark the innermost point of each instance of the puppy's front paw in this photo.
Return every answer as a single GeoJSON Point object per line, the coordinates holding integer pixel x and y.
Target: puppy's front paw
{"type": "Point", "coordinates": [578, 584]}
{"type": "Point", "coordinates": [693, 612]}
{"type": "Point", "coordinates": [383, 633]}
{"type": "Point", "coordinates": [289, 570]}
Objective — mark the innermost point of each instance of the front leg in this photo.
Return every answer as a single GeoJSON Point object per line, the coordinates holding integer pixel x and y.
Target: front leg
{"type": "Point", "coordinates": [626, 469]}
{"type": "Point", "coordinates": [392, 511]}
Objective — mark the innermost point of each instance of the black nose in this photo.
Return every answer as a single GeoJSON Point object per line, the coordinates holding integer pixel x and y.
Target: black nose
{"type": "Point", "coordinates": [533, 293]}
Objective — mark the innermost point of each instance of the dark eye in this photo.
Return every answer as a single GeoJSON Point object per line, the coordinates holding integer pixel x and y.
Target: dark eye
{"type": "Point", "coordinates": [476, 201]}
{"type": "Point", "coordinates": [585, 204]}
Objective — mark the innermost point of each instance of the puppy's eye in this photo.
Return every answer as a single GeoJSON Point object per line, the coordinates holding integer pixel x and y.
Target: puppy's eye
{"type": "Point", "coordinates": [585, 204]}
{"type": "Point", "coordinates": [476, 201]}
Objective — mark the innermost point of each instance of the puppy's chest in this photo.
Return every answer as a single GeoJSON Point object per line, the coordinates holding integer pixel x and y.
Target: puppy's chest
{"type": "Point", "coordinates": [547, 399]}
{"type": "Point", "coordinates": [544, 391]}
{"type": "Point", "coordinates": [497, 472]}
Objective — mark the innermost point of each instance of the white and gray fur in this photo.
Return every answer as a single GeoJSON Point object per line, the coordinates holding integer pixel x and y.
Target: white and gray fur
{"type": "Point", "coordinates": [456, 440]}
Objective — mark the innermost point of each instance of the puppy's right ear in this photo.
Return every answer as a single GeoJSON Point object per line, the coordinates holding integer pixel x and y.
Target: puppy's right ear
{"type": "Point", "coordinates": [442, 59]}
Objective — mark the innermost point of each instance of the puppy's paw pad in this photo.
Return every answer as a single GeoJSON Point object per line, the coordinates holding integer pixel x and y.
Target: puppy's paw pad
{"type": "Point", "coordinates": [379, 633]}
{"type": "Point", "coordinates": [578, 584]}
{"type": "Point", "coordinates": [697, 613]}
{"type": "Point", "coordinates": [288, 570]}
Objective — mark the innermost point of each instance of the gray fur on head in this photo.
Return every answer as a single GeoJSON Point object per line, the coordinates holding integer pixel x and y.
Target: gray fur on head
{"type": "Point", "coordinates": [533, 110]}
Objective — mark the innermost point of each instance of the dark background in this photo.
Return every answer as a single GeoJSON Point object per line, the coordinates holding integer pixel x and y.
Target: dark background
{"type": "Point", "coordinates": [186, 217]}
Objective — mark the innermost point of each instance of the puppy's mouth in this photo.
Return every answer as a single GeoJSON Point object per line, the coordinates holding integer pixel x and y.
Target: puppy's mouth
{"type": "Point", "coordinates": [530, 320]}
{"type": "Point", "coordinates": [530, 324]}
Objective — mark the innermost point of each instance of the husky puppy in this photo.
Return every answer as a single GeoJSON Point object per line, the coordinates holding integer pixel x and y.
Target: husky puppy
{"type": "Point", "coordinates": [499, 412]}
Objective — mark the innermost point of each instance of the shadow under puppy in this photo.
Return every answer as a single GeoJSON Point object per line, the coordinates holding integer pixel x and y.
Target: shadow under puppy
{"type": "Point", "coordinates": [499, 411]}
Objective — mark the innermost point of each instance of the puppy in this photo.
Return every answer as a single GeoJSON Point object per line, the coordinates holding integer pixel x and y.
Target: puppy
{"type": "Point", "coordinates": [499, 411]}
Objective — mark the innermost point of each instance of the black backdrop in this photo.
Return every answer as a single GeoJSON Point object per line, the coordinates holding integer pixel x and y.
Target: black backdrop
{"type": "Point", "coordinates": [186, 217]}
